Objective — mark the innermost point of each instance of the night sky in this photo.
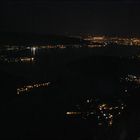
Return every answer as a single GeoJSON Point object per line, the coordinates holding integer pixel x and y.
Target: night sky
{"type": "Point", "coordinates": [71, 17]}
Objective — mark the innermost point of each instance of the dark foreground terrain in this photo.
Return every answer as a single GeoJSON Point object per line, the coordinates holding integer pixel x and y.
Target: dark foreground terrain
{"type": "Point", "coordinates": [41, 113]}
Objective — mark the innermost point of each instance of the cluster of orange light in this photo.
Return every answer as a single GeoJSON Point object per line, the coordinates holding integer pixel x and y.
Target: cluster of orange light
{"type": "Point", "coordinates": [118, 40]}
{"type": "Point", "coordinates": [73, 113]}
{"type": "Point", "coordinates": [105, 110]}
{"type": "Point", "coordinates": [27, 59]}
{"type": "Point", "coordinates": [30, 87]}
{"type": "Point", "coordinates": [109, 116]}
{"type": "Point", "coordinates": [17, 60]}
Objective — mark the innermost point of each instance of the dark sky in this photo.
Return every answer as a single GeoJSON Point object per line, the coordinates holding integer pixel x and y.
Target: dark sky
{"type": "Point", "coordinates": [120, 17]}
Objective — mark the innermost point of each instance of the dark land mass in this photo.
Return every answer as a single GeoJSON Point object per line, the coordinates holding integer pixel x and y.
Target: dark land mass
{"type": "Point", "coordinates": [40, 114]}
{"type": "Point", "coordinates": [37, 39]}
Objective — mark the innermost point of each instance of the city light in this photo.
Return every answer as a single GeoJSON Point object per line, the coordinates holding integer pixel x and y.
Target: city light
{"type": "Point", "coordinates": [17, 59]}
{"type": "Point", "coordinates": [105, 113]}
{"type": "Point", "coordinates": [28, 88]}
{"type": "Point", "coordinates": [114, 40]}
